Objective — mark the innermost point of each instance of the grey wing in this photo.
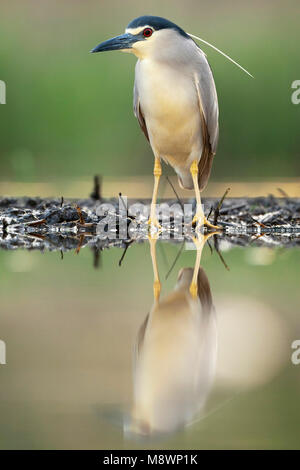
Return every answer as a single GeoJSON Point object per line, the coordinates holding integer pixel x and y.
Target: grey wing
{"type": "Point", "coordinates": [137, 110]}
{"type": "Point", "coordinates": [209, 112]}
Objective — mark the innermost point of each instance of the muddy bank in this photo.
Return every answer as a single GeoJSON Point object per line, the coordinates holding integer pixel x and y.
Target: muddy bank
{"type": "Point", "coordinates": [58, 224]}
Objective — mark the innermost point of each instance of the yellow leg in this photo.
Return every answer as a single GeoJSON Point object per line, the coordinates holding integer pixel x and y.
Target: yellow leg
{"type": "Point", "coordinates": [157, 174]}
{"type": "Point", "coordinates": [156, 282]}
{"type": "Point", "coordinates": [199, 217]}
{"type": "Point", "coordinates": [199, 241]}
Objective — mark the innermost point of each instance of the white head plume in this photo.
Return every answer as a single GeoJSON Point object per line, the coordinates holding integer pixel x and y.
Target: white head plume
{"type": "Point", "coordinates": [223, 53]}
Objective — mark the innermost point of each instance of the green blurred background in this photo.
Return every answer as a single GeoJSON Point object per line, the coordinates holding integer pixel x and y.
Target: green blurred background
{"type": "Point", "coordinates": [69, 113]}
{"type": "Point", "coordinates": [69, 328]}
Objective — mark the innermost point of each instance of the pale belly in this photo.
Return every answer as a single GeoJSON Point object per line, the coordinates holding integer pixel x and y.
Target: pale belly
{"type": "Point", "coordinates": [171, 111]}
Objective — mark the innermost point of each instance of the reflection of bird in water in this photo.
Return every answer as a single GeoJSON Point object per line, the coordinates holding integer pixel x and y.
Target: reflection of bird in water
{"type": "Point", "coordinates": [175, 352]}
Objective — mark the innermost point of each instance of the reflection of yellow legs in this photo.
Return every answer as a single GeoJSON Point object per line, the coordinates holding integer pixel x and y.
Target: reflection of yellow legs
{"type": "Point", "coordinates": [156, 283]}
{"type": "Point", "coordinates": [157, 174]}
{"type": "Point", "coordinates": [199, 216]}
{"type": "Point", "coordinates": [199, 242]}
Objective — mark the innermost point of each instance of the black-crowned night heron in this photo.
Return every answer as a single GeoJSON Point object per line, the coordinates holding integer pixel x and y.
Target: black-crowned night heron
{"type": "Point", "coordinates": [175, 353]}
{"type": "Point", "coordinates": [175, 101]}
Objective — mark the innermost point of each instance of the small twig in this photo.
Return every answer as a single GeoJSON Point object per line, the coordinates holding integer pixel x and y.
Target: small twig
{"type": "Point", "coordinates": [283, 193]}
{"type": "Point", "coordinates": [175, 192]}
{"type": "Point", "coordinates": [130, 217]}
{"type": "Point", "coordinates": [81, 239]}
{"type": "Point", "coordinates": [123, 202]}
{"type": "Point", "coordinates": [259, 223]}
{"type": "Point", "coordinates": [96, 194]}
{"type": "Point", "coordinates": [219, 205]}
{"type": "Point", "coordinates": [210, 247]}
{"type": "Point", "coordinates": [81, 219]}
{"type": "Point", "coordinates": [88, 225]}
{"type": "Point", "coordinates": [210, 211]}
{"type": "Point", "coordinates": [61, 255]}
{"type": "Point", "coordinates": [35, 223]}
{"type": "Point", "coordinates": [216, 244]}
{"type": "Point", "coordinates": [175, 260]}
{"type": "Point", "coordinates": [256, 237]}
{"type": "Point", "coordinates": [225, 210]}
{"type": "Point", "coordinates": [4, 228]}
{"type": "Point", "coordinates": [36, 235]}
{"type": "Point", "coordinates": [125, 251]}
{"type": "Point", "coordinates": [62, 201]}
{"type": "Point", "coordinates": [96, 257]}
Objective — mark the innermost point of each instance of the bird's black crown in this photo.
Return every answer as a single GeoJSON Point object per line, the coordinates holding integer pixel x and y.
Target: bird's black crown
{"type": "Point", "coordinates": [157, 23]}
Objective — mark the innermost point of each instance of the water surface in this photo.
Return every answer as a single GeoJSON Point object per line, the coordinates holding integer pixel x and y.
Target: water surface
{"type": "Point", "coordinates": [71, 333]}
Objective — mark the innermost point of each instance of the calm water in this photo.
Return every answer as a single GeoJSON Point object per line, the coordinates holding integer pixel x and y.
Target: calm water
{"type": "Point", "coordinates": [86, 369]}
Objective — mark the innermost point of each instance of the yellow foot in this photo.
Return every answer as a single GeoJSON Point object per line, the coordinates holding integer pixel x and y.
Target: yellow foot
{"type": "Point", "coordinates": [153, 222]}
{"type": "Point", "coordinates": [194, 290]}
{"type": "Point", "coordinates": [202, 221]}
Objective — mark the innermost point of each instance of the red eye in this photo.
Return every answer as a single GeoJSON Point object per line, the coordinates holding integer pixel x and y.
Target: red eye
{"type": "Point", "coordinates": [147, 32]}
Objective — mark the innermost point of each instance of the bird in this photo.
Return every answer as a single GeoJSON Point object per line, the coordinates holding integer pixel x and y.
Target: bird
{"type": "Point", "coordinates": [175, 102]}
{"type": "Point", "coordinates": [175, 353]}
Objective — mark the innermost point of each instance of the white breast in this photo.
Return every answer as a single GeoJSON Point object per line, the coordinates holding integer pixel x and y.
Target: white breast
{"type": "Point", "coordinates": [169, 103]}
